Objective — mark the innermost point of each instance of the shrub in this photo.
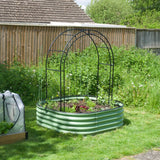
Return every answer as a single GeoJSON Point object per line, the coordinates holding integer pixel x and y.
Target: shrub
{"type": "Point", "coordinates": [136, 80]}
{"type": "Point", "coordinates": [147, 19]}
{"type": "Point", "coordinates": [108, 11]}
{"type": "Point", "coordinates": [22, 80]}
{"type": "Point", "coordinates": [139, 82]}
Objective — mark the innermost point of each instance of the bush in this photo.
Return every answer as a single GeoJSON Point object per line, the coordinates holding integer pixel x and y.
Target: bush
{"type": "Point", "coordinates": [147, 19]}
{"type": "Point", "coordinates": [136, 78]}
{"type": "Point", "coordinates": [108, 11]}
{"type": "Point", "coordinates": [139, 84]}
{"type": "Point", "coordinates": [22, 80]}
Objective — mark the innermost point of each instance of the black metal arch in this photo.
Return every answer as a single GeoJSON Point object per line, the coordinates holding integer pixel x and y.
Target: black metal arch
{"type": "Point", "coordinates": [73, 38]}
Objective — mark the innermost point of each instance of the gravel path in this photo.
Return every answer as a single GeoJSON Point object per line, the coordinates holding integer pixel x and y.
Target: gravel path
{"type": "Point", "coordinates": [150, 155]}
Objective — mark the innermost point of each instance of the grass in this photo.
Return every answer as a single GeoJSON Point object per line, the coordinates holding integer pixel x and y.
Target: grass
{"type": "Point", "coordinates": [139, 133]}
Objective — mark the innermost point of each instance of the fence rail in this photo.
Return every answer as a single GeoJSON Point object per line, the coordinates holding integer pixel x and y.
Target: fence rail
{"type": "Point", "coordinates": [28, 44]}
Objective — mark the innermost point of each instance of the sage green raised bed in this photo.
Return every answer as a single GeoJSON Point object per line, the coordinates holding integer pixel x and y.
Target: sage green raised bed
{"type": "Point", "coordinates": [80, 123]}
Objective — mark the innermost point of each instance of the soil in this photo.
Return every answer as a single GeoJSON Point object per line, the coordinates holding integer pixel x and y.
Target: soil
{"type": "Point", "coordinates": [81, 107]}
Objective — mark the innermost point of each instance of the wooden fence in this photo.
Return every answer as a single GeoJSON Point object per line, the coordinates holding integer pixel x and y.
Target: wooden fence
{"type": "Point", "coordinates": [28, 44]}
{"type": "Point", "coordinates": [148, 39]}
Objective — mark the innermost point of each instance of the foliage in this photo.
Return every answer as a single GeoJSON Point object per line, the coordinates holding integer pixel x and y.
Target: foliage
{"type": "Point", "coordinates": [22, 80]}
{"type": "Point", "coordinates": [136, 78]}
{"type": "Point", "coordinates": [139, 134]}
{"type": "Point", "coordinates": [80, 74]}
{"type": "Point", "coordinates": [5, 127]}
{"type": "Point", "coordinates": [135, 13]}
{"type": "Point", "coordinates": [147, 19]}
{"type": "Point", "coordinates": [102, 96]}
{"type": "Point", "coordinates": [108, 11]}
{"type": "Point", "coordinates": [90, 103]}
{"type": "Point", "coordinates": [142, 6]}
{"type": "Point", "coordinates": [50, 104]}
{"type": "Point", "coordinates": [139, 82]}
{"type": "Point", "coordinates": [73, 105]}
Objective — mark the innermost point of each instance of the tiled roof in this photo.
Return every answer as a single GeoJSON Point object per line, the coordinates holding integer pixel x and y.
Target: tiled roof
{"type": "Point", "coordinates": [41, 11]}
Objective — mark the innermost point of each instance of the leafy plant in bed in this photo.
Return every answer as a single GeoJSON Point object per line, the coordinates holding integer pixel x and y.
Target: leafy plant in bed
{"type": "Point", "coordinates": [85, 105]}
{"type": "Point", "coordinates": [5, 127]}
{"type": "Point", "coordinates": [79, 86]}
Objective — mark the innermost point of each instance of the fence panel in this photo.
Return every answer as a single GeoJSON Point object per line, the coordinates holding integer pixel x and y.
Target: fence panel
{"type": "Point", "coordinates": [28, 44]}
{"type": "Point", "coordinates": [148, 39]}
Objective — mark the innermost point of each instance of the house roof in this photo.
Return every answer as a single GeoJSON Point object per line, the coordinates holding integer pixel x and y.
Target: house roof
{"type": "Point", "coordinates": [42, 11]}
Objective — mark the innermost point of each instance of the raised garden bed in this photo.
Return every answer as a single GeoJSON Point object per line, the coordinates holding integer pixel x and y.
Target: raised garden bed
{"type": "Point", "coordinates": [80, 123]}
{"type": "Point", "coordinates": [12, 138]}
{"type": "Point", "coordinates": [6, 137]}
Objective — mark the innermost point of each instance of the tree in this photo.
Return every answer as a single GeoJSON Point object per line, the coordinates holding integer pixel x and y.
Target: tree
{"type": "Point", "coordinates": [146, 14]}
{"type": "Point", "coordinates": [109, 11]}
{"type": "Point", "coordinates": [144, 5]}
{"type": "Point", "coordinates": [147, 19]}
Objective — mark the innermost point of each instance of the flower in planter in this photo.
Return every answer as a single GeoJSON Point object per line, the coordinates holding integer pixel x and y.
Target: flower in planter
{"type": "Point", "coordinates": [81, 108]}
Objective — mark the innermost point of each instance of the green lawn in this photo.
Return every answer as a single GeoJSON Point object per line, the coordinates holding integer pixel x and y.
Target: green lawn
{"type": "Point", "coordinates": [141, 132]}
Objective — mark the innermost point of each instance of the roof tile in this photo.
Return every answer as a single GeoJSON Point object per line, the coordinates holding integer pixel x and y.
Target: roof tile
{"type": "Point", "coordinates": [42, 11]}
